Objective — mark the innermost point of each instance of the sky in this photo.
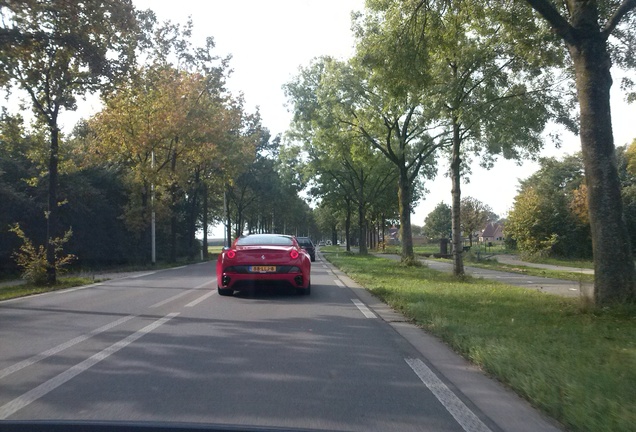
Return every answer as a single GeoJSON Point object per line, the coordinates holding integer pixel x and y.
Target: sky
{"type": "Point", "coordinates": [270, 40]}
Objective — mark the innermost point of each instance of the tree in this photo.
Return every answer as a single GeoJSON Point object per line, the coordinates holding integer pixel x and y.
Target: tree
{"type": "Point", "coordinates": [18, 186]}
{"type": "Point", "coordinates": [527, 224]}
{"type": "Point", "coordinates": [630, 157]}
{"type": "Point", "coordinates": [353, 97]}
{"type": "Point", "coordinates": [474, 82]}
{"type": "Point", "coordinates": [597, 34]}
{"type": "Point", "coordinates": [548, 216]}
{"type": "Point", "coordinates": [474, 215]}
{"type": "Point", "coordinates": [180, 133]}
{"type": "Point", "coordinates": [55, 52]}
{"type": "Point", "coordinates": [340, 158]}
{"type": "Point", "coordinates": [438, 223]}
{"type": "Point", "coordinates": [165, 127]}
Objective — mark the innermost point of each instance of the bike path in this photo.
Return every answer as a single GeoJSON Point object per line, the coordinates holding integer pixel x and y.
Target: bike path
{"type": "Point", "coordinates": [560, 287]}
{"type": "Point", "coordinates": [515, 260]}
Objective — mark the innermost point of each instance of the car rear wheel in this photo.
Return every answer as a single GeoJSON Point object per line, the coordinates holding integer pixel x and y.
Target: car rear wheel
{"type": "Point", "coordinates": [224, 291]}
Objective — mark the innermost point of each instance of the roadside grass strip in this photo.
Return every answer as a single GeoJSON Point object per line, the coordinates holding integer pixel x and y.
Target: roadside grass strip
{"type": "Point", "coordinates": [23, 290]}
{"type": "Point", "coordinates": [574, 362]}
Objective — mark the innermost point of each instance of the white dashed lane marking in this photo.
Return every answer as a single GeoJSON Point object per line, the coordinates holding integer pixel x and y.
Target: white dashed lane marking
{"type": "Point", "coordinates": [50, 385]}
{"type": "Point", "coordinates": [363, 308]}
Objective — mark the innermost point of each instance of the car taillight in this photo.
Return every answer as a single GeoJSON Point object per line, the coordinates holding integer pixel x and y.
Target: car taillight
{"type": "Point", "coordinates": [293, 254]}
{"type": "Point", "coordinates": [231, 254]}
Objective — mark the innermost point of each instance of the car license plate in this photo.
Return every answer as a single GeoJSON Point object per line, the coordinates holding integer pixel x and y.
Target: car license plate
{"type": "Point", "coordinates": [263, 269]}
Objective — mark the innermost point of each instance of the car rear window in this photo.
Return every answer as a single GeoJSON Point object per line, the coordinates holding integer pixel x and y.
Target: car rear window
{"type": "Point", "coordinates": [304, 241]}
{"type": "Point", "coordinates": [265, 239]}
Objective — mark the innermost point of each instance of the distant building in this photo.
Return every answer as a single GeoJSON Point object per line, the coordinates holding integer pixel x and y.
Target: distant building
{"type": "Point", "coordinates": [493, 232]}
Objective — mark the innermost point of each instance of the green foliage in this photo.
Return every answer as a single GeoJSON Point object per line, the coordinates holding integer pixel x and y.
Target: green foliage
{"type": "Point", "coordinates": [630, 156]}
{"type": "Point", "coordinates": [471, 66]}
{"type": "Point", "coordinates": [32, 258]}
{"type": "Point", "coordinates": [474, 214]}
{"type": "Point", "coordinates": [597, 36]}
{"type": "Point", "coordinates": [438, 223]}
{"type": "Point", "coordinates": [575, 362]}
{"type": "Point", "coordinates": [22, 290]}
{"type": "Point", "coordinates": [628, 194]}
{"type": "Point", "coordinates": [55, 52]}
{"type": "Point", "coordinates": [544, 219]}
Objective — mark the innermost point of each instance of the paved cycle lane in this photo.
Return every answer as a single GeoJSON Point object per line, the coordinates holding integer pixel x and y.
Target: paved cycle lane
{"type": "Point", "coordinates": [566, 288]}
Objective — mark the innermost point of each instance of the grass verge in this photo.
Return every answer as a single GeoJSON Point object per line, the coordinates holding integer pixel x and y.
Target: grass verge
{"type": "Point", "coordinates": [575, 363]}
{"type": "Point", "coordinates": [24, 289]}
{"type": "Point", "coordinates": [532, 271]}
{"type": "Point", "coordinates": [86, 276]}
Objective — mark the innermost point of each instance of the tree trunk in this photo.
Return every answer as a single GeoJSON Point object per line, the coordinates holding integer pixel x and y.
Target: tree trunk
{"type": "Point", "coordinates": [192, 220]}
{"type": "Point", "coordinates": [613, 261]}
{"type": "Point", "coordinates": [334, 236]}
{"type": "Point", "coordinates": [362, 231]}
{"type": "Point", "coordinates": [173, 209]}
{"type": "Point", "coordinates": [404, 206]}
{"type": "Point", "coordinates": [347, 228]}
{"type": "Point", "coordinates": [52, 212]}
{"type": "Point", "coordinates": [228, 219]}
{"type": "Point", "coordinates": [173, 237]}
{"type": "Point", "coordinates": [239, 222]}
{"type": "Point", "coordinates": [362, 224]}
{"type": "Point", "coordinates": [458, 260]}
{"type": "Point", "coordinates": [205, 222]}
{"type": "Point", "coordinates": [383, 229]}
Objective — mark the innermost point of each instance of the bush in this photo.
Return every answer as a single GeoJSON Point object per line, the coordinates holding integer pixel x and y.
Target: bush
{"type": "Point", "coordinates": [32, 259]}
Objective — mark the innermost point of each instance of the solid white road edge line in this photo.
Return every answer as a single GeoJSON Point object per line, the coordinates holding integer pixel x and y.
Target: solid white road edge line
{"type": "Point", "coordinates": [50, 385]}
{"type": "Point", "coordinates": [363, 308]}
{"type": "Point", "coordinates": [462, 414]}
{"type": "Point", "coordinates": [48, 353]}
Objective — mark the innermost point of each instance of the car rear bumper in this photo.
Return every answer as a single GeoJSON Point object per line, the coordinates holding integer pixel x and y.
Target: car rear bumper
{"type": "Point", "coordinates": [251, 280]}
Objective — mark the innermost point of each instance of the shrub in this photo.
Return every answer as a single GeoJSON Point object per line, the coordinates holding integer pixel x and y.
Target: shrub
{"type": "Point", "coordinates": [32, 258]}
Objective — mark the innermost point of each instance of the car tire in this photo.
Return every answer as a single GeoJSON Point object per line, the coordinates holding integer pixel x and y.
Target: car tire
{"type": "Point", "coordinates": [313, 258]}
{"type": "Point", "coordinates": [224, 291]}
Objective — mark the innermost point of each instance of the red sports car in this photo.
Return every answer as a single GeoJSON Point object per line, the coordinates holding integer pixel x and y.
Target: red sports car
{"type": "Point", "coordinates": [260, 259]}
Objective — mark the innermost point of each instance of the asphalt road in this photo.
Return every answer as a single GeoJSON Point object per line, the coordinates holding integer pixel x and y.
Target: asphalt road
{"type": "Point", "coordinates": [164, 347]}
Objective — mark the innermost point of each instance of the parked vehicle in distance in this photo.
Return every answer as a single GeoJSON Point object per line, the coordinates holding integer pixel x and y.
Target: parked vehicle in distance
{"type": "Point", "coordinates": [308, 245]}
{"type": "Point", "coordinates": [263, 259]}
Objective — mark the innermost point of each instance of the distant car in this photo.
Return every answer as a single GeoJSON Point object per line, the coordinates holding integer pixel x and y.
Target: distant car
{"type": "Point", "coordinates": [263, 259]}
{"type": "Point", "coordinates": [321, 243]}
{"type": "Point", "coordinates": [308, 245]}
